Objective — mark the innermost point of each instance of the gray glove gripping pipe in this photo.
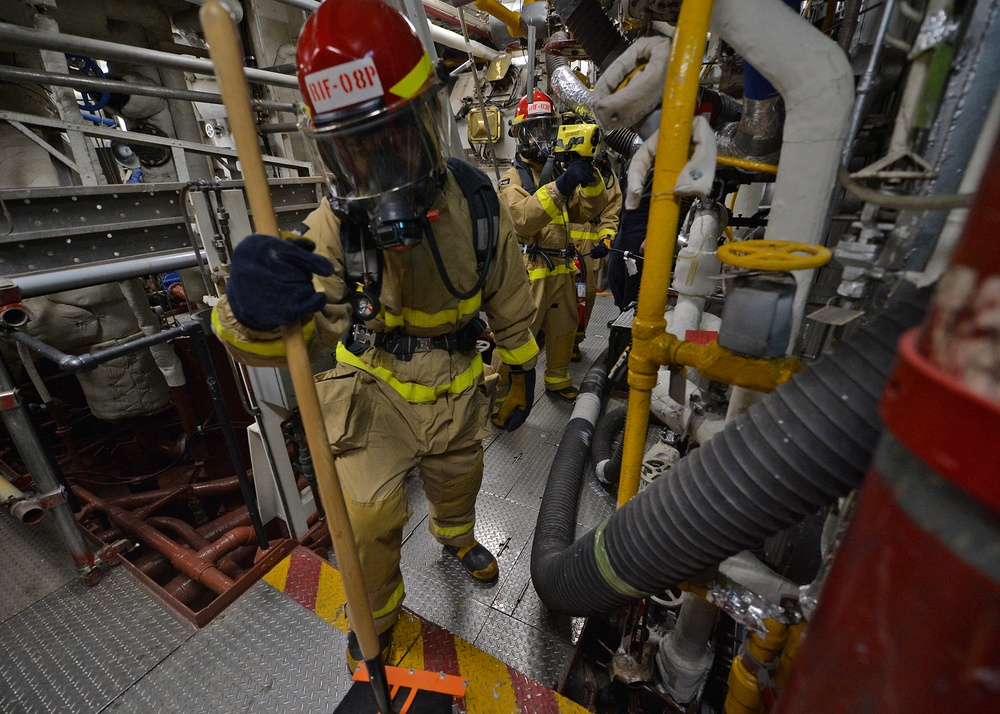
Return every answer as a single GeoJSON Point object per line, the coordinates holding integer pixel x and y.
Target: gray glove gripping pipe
{"type": "Point", "coordinates": [801, 447]}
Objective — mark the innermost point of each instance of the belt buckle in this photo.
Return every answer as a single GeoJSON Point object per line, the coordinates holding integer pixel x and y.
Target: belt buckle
{"type": "Point", "coordinates": [424, 344]}
{"type": "Point", "coordinates": [364, 335]}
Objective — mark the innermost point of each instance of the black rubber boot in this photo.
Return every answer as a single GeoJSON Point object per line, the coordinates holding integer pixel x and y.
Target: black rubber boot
{"type": "Point", "coordinates": [354, 658]}
{"type": "Point", "coordinates": [569, 392]}
{"type": "Point", "coordinates": [477, 561]}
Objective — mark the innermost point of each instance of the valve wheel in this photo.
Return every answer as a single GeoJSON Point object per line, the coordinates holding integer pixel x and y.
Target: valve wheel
{"type": "Point", "coordinates": [774, 255]}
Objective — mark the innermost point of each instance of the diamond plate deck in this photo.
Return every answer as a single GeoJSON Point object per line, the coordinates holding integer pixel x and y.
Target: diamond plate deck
{"type": "Point", "coordinates": [526, 649]}
{"type": "Point", "coordinates": [35, 563]}
{"type": "Point", "coordinates": [264, 654]}
{"type": "Point", "coordinates": [81, 647]}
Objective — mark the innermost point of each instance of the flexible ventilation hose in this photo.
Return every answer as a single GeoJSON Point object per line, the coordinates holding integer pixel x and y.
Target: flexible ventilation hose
{"type": "Point", "coordinates": [602, 451]}
{"type": "Point", "coordinates": [593, 29]}
{"type": "Point", "coordinates": [623, 141]}
{"type": "Point", "coordinates": [798, 449]}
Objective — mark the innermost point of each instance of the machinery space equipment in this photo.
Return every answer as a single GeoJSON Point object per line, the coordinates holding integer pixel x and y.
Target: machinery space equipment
{"type": "Point", "coordinates": [775, 492]}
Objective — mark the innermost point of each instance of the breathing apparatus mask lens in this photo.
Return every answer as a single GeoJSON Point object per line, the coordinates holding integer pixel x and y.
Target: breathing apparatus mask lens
{"type": "Point", "coordinates": [386, 166]}
{"type": "Point", "coordinates": [535, 137]}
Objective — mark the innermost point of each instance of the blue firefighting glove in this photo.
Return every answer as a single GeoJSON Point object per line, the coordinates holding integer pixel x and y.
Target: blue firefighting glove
{"type": "Point", "coordinates": [601, 249]}
{"type": "Point", "coordinates": [514, 409]}
{"type": "Point", "coordinates": [270, 281]}
{"type": "Point", "coordinates": [578, 173]}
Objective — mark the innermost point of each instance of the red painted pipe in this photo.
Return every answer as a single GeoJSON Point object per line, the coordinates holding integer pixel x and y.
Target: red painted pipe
{"type": "Point", "coordinates": [154, 565]}
{"type": "Point", "coordinates": [184, 559]}
{"type": "Point", "coordinates": [185, 589]}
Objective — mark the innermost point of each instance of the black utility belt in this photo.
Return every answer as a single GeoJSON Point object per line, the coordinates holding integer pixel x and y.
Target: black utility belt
{"type": "Point", "coordinates": [549, 255]}
{"type": "Point", "coordinates": [403, 345]}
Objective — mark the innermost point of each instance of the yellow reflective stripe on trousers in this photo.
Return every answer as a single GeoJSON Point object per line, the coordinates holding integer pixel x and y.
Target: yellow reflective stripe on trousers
{"type": "Point", "coordinates": [414, 392]}
{"type": "Point", "coordinates": [260, 348]}
{"type": "Point", "coordinates": [540, 273]}
{"type": "Point", "coordinates": [520, 355]}
{"type": "Point", "coordinates": [548, 203]}
{"type": "Point", "coordinates": [394, 601]}
{"type": "Point", "coordinates": [416, 318]}
{"type": "Point", "coordinates": [554, 380]}
{"type": "Point", "coordinates": [454, 532]}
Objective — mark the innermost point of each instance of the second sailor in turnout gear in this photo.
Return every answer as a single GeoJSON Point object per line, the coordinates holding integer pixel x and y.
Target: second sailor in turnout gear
{"type": "Point", "coordinates": [539, 210]}
{"type": "Point", "coordinates": [407, 253]}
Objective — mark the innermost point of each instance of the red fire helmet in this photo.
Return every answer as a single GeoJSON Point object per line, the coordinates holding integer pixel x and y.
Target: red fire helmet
{"type": "Point", "coordinates": [370, 90]}
{"type": "Point", "coordinates": [534, 126]}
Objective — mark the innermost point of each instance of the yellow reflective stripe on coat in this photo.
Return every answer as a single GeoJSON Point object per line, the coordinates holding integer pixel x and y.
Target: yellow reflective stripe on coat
{"type": "Point", "coordinates": [414, 392]}
{"type": "Point", "coordinates": [416, 318]}
{"type": "Point", "coordinates": [607, 233]}
{"type": "Point", "coordinates": [576, 234]}
{"type": "Point", "coordinates": [548, 203]}
{"type": "Point", "coordinates": [541, 273]}
{"type": "Point", "coordinates": [590, 191]}
{"type": "Point", "coordinates": [521, 355]}
{"type": "Point", "coordinates": [409, 85]}
{"type": "Point", "coordinates": [261, 348]}
{"type": "Point", "coordinates": [454, 532]}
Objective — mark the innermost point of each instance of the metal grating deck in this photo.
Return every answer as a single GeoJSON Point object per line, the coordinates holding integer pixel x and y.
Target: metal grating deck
{"type": "Point", "coordinates": [116, 648]}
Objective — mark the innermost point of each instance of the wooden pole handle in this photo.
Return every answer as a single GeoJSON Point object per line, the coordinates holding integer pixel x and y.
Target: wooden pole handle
{"type": "Point", "coordinates": [227, 55]}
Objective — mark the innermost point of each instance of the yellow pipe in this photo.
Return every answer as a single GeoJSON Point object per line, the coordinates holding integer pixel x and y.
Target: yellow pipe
{"type": "Point", "coordinates": [791, 648]}
{"type": "Point", "coordinates": [746, 164]}
{"type": "Point", "coordinates": [508, 17]}
{"type": "Point", "coordinates": [744, 693]}
{"type": "Point", "coordinates": [673, 141]}
{"type": "Point", "coordinates": [720, 365]}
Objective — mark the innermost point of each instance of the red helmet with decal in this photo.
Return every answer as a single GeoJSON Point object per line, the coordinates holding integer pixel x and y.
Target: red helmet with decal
{"type": "Point", "coordinates": [369, 87]}
{"type": "Point", "coordinates": [534, 126]}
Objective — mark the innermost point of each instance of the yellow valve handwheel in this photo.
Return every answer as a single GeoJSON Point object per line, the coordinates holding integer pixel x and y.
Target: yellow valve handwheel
{"type": "Point", "coordinates": [774, 255]}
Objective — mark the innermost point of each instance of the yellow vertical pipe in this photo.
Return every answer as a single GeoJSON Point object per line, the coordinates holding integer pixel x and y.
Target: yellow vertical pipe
{"type": "Point", "coordinates": [673, 144]}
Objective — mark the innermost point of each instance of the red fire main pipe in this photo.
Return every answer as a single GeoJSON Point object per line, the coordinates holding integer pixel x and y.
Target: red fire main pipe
{"type": "Point", "coordinates": [184, 559]}
{"type": "Point", "coordinates": [184, 588]}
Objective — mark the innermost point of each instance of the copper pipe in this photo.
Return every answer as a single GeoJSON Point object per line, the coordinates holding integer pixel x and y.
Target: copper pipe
{"type": "Point", "coordinates": [185, 531]}
{"type": "Point", "coordinates": [184, 559]}
{"type": "Point", "coordinates": [154, 565]}
{"type": "Point", "coordinates": [196, 541]}
{"type": "Point", "coordinates": [185, 589]}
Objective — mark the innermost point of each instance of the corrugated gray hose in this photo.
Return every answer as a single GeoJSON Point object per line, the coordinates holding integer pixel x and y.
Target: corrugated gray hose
{"type": "Point", "coordinates": [593, 29]}
{"type": "Point", "coordinates": [800, 448]}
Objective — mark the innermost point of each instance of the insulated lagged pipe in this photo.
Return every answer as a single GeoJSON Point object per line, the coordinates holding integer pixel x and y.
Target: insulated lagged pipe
{"type": "Point", "coordinates": [800, 448]}
{"type": "Point", "coordinates": [674, 141]}
{"type": "Point", "coordinates": [815, 79]}
{"type": "Point", "coordinates": [571, 92]}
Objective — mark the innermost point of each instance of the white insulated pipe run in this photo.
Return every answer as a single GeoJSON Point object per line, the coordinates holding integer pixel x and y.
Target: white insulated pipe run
{"type": "Point", "coordinates": [457, 42]}
{"type": "Point", "coordinates": [163, 354]}
{"type": "Point", "coordinates": [815, 79]}
{"type": "Point", "coordinates": [697, 267]}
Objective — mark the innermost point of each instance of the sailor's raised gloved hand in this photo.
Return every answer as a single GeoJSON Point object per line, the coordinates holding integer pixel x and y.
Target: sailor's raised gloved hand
{"type": "Point", "coordinates": [270, 281]}
{"type": "Point", "coordinates": [601, 249]}
{"type": "Point", "coordinates": [514, 409]}
{"type": "Point", "coordinates": [578, 173]}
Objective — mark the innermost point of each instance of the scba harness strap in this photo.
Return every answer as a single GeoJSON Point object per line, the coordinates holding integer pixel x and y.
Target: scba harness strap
{"type": "Point", "coordinates": [405, 346]}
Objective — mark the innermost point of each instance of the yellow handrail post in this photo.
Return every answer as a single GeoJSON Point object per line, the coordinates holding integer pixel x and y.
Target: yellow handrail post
{"type": "Point", "coordinates": [674, 140]}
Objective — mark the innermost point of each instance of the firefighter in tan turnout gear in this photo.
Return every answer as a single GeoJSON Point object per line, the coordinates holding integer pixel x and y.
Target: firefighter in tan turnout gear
{"type": "Point", "coordinates": [407, 252]}
{"type": "Point", "coordinates": [541, 208]}
{"type": "Point", "coordinates": [592, 241]}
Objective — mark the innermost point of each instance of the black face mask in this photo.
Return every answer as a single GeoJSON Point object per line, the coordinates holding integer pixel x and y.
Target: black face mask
{"type": "Point", "coordinates": [399, 219]}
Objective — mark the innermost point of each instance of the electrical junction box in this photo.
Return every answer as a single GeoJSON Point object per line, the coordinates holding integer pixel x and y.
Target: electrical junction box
{"type": "Point", "coordinates": [757, 316]}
